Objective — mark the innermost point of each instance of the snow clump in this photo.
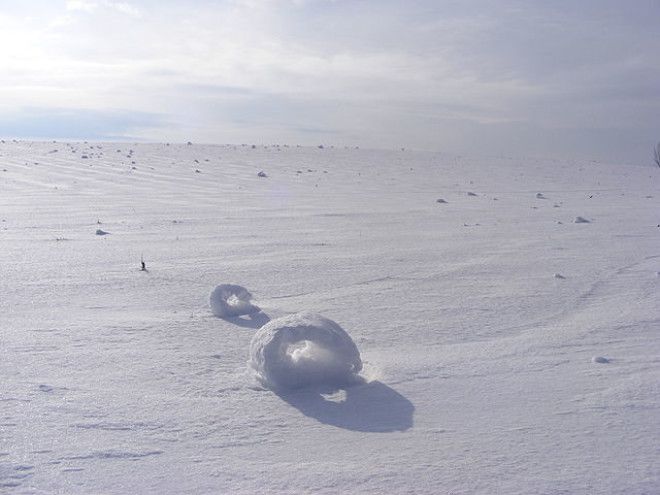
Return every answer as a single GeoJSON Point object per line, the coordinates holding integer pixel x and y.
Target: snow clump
{"type": "Point", "coordinates": [303, 349]}
{"type": "Point", "coordinates": [228, 300]}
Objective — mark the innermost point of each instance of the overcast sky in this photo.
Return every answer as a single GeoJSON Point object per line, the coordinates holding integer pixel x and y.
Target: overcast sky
{"type": "Point", "coordinates": [546, 78]}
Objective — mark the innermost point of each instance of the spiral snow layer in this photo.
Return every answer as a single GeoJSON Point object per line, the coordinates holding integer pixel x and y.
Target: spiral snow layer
{"type": "Point", "coordinates": [302, 350]}
{"type": "Point", "coordinates": [228, 300]}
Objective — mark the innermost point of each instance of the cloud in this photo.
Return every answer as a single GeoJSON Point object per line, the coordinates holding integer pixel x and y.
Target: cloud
{"type": "Point", "coordinates": [370, 72]}
{"type": "Point", "coordinates": [57, 123]}
{"type": "Point", "coordinates": [83, 5]}
{"type": "Point", "coordinates": [91, 6]}
{"type": "Point", "coordinates": [124, 7]}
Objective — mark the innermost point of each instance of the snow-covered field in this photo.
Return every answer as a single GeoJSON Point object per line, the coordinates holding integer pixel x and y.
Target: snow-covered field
{"type": "Point", "coordinates": [505, 347]}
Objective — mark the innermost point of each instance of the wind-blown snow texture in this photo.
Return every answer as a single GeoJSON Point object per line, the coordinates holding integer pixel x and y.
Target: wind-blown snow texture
{"type": "Point", "coordinates": [480, 366]}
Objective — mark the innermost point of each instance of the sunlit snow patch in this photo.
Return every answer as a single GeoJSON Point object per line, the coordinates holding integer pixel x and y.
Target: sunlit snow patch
{"type": "Point", "coordinates": [228, 300]}
{"type": "Point", "coordinates": [301, 350]}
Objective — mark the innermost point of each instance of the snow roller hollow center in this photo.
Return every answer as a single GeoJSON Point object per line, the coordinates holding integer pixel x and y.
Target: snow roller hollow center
{"type": "Point", "coordinates": [301, 350]}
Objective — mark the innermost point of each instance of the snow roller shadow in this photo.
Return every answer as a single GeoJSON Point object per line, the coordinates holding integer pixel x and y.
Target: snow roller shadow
{"type": "Point", "coordinates": [367, 407]}
{"type": "Point", "coordinates": [253, 320]}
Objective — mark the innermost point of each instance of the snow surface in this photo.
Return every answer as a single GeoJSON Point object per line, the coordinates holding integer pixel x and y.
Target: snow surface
{"type": "Point", "coordinates": [477, 363]}
{"type": "Point", "coordinates": [304, 349]}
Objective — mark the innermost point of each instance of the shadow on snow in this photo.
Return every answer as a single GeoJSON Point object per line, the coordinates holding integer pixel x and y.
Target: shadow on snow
{"type": "Point", "coordinates": [254, 320]}
{"type": "Point", "coordinates": [368, 407]}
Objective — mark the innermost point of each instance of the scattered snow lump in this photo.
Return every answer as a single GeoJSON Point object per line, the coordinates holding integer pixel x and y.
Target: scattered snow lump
{"type": "Point", "coordinates": [303, 349]}
{"type": "Point", "coordinates": [600, 359]}
{"type": "Point", "coordinates": [262, 174]}
{"type": "Point", "coordinates": [228, 300]}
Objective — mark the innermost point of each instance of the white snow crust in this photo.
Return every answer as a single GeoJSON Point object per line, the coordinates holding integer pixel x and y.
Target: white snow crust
{"type": "Point", "coordinates": [303, 349]}
{"type": "Point", "coordinates": [481, 371]}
